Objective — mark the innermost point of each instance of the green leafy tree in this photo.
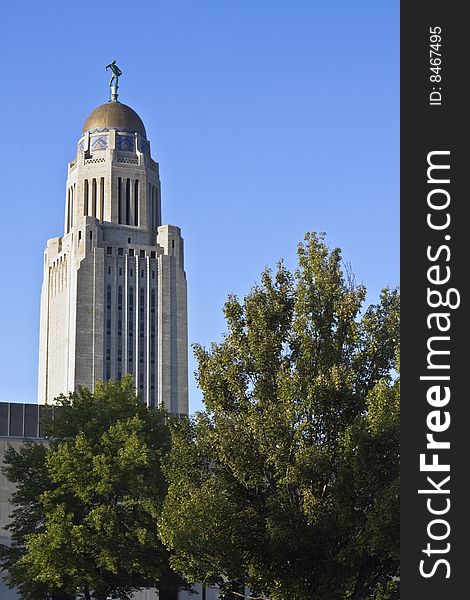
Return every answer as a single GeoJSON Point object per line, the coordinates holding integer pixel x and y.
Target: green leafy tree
{"type": "Point", "coordinates": [86, 505]}
{"type": "Point", "coordinates": [288, 481]}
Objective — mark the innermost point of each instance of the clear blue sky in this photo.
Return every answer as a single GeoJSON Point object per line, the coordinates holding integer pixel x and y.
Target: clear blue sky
{"type": "Point", "coordinates": [269, 118]}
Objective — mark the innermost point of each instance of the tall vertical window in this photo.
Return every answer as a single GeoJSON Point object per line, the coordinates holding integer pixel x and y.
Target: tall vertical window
{"type": "Point", "coordinates": [130, 329]}
{"type": "Point", "coordinates": [155, 206]}
{"type": "Point", "coordinates": [85, 198]}
{"type": "Point", "coordinates": [120, 215]}
{"type": "Point", "coordinates": [72, 198]}
{"type": "Point", "coordinates": [141, 337]}
{"type": "Point", "coordinates": [119, 331]}
{"type": "Point", "coordinates": [136, 203]}
{"type": "Point", "coordinates": [154, 220]}
{"type": "Point", "coordinates": [68, 210]}
{"type": "Point", "coordinates": [101, 198]}
{"type": "Point", "coordinates": [149, 208]}
{"type": "Point", "coordinates": [93, 198]}
{"type": "Point", "coordinates": [128, 201]}
{"type": "Point", "coordinates": [108, 332]}
{"type": "Point", "coordinates": [153, 400]}
{"type": "Point", "coordinates": [108, 296]}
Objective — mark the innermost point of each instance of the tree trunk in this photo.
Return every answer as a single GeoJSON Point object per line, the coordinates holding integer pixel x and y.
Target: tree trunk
{"type": "Point", "coordinates": [360, 582]}
{"type": "Point", "coordinates": [361, 586]}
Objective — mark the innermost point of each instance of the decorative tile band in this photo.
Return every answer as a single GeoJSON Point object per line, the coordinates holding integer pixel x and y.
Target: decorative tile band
{"type": "Point", "coordinates": [144, 146]}
{"type": "Point", "coordinates": [130, 161]}
{"type": "Point", "coordinates": [125, 142]}
{"type": "Point", "coordinates": [99, 142]}
{"type": "Point", "coordinates": [90, 161]}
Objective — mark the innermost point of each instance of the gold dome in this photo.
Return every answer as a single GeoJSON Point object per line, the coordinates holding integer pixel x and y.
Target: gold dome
{"type": "Point", "coordinates": [114, 115]}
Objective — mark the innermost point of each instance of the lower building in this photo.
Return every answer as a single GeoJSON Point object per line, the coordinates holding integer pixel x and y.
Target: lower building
{"type": "Point", "coordinates": [20, 423]}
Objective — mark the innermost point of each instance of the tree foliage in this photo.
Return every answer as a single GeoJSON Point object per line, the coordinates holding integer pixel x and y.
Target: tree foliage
{"type": "Point", "coordinates": [288, 481]}
{"type": "Point", "coordinates": [87, 504]}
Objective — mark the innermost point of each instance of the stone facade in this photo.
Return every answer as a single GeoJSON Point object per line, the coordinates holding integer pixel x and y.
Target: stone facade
{"type": "Point", "coordinates": [113, 298]}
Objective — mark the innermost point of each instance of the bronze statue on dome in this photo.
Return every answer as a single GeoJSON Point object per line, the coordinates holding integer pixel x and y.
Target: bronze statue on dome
{"type": "Point", "coordinates": [114, 81]}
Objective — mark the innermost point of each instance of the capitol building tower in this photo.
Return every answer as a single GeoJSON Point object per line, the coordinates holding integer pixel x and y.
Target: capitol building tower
{"type": "Point", "coordinates": [113, 297]}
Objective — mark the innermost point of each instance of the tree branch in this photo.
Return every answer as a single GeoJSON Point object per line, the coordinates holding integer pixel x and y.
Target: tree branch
{"type": "Point", "coordinates": [359, 593]}
{"type": "Point", "coordinates": [239, 595]}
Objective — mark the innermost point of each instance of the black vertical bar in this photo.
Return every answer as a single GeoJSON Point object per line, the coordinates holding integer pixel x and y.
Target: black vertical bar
{"type": "Point", "coordinates": [85, 199]}
{"type": "Point", "coordinates": [434, 285]}
{"type": "Point", "coordinates": [93, 196]}
{"type": "Point", "coordinates": [101, 199]}
{"type": "Point", "coordinates": [120, 216]}
{"type": "Point", "coordinates": [136, 203]}
{"type": "Point", "coordinates": [128, 201]}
